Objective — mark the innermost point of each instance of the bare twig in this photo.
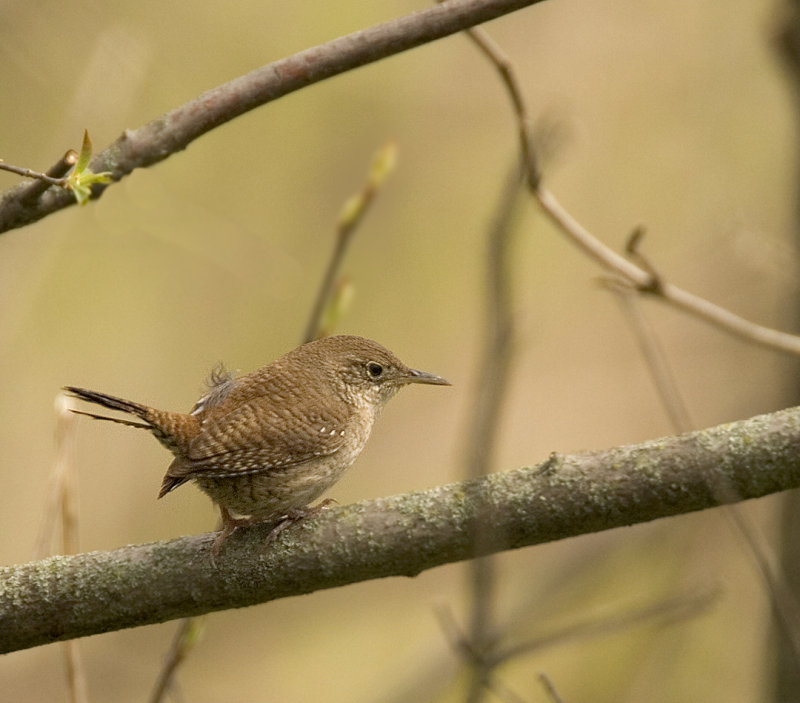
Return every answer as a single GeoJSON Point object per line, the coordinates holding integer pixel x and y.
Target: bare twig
{"type": "Point", "coordinates": [673, 295]}
{"type": "Point", "coordinates": [76, 673]}
{"type": "Point", "coordinates": [550, 688]}
{"type": "Point", "coordinates": [654, 356]}
{"type": "Point", "coordinates": [28, 173]}
{"type": "Point", "coordinates": [783, 659]}
{"type": "Point", "coordinates": [633, 251]}
{"type": "Point", "coordinates": [494, 684]}
{"type": "Point", "coordinates": [65, 441]}
{"type": "Point", "coordinates": [175, 130]}
{"type": "Point", "coordinates": [781, 597]}
{"type": "Point", "coordinates": [339, 303]}
{"type": "Point", "coordinates": [185, 638]}
{"type": "Point", "coordinates": [492, 379]}
{"type": "Point", "coordinates": [669, 610]}
{"type": "Point", "coordinates": [62, 502]}
{"type": "Point", "coordinates": [644, 279]}
{"type": "Point", "coordinates": [61, 485]}
{"type": "Point", "coordinates": [505, 68]}
{"type": "Point", "coordinates": [60, 169]}
{"type": "Point", "coordinates": [494, 363]}
{"type": "Point", "coordinates": [350, 217]}
{"type": "Point", "coordinates": [484, 677]}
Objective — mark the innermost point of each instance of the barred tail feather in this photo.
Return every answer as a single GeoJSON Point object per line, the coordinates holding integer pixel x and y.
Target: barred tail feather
{"type": "Point", "coordinates": [129, 423]}
{"type": "Point", "coordinates": [112, 403]}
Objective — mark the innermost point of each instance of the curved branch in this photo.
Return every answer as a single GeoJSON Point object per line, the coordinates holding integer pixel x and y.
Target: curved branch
{"type": "Point", "coordinates": [73, 596]}
{"type": "Point", "coordinates": [175, 130]}
{"type": "Point", "coordinates": [643, 281]}
{"type": "Point", "coordinates": [641, 277]}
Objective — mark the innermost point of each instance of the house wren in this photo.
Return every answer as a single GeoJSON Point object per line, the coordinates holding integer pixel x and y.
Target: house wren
{"type": "Point", "coordinates": [269, 443]}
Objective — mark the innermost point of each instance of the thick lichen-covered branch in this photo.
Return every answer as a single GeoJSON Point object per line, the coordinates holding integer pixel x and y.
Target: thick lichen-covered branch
{"type": "Point", "coordinates": [73, 596]}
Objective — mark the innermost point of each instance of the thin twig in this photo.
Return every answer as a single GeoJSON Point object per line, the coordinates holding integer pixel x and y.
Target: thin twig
{"type": "Point", "coordinates": [654, 356]}
{"type": "Point", "coordinates": [185, 638]}
{"type": "Point", "coordinates": [69, 502]}
{"type": "Point", "coordinates": [643, 279]}
{"type": "Point", "coordinates": [62, 502]}
{"type": "Point", "coordinates": [463, 646]}
{"type": "Point", "coordinates": [669, 610]}
{"type": "Point", "coordinates": [667, 292]}
{"type": "Point", "coordinates": [28, 173]}
{"type": "Point", "coordinates": [492, 378]}
{"type": "Point", "coordinates": [494, 364]}
{"type": "Point", "coordinates": [550, 688]}
{"type": "Point", "coordinates": [352, 214]}
{"type": "Point", "coordinates": [635, 254]}
{"type": "Point", "coordinates": [57, 171]}
{"type": "Point", "coordinates": [784, 29]}
{"type": "Point", "coordinates": [494, 684]}
{"type": "Point", "coordinates": [781, 597]}
{"type": "Point", "coordinates": [76, 672]}
{"type": "Point", "coordinates": [505, 68]}
{"type": "Point", "coordinates": [341, 298]}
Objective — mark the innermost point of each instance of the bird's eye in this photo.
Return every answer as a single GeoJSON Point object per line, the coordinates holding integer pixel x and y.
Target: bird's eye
{"type": "Point", "coordinates": [374, 369]}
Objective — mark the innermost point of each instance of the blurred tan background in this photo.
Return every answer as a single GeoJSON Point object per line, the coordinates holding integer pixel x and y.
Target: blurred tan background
{"type": "Point", "coordinates": [676, 115]}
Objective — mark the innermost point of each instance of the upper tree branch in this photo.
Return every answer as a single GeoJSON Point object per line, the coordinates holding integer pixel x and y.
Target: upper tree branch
{"type": "Point", "coordinates": [175, 130]}
{"type": "Point", "coordinates": [73, 596]}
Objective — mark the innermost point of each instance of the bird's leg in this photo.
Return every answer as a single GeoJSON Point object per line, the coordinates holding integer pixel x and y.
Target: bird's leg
{"type": "Point", "coordinates": [297, 515]}
{"type": "Point", "coordinates": [229, 524]}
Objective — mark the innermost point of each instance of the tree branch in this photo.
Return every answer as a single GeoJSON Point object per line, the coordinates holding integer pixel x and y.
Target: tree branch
{"type": "Point", "coordinates": [73, 596]}
{"type": "Point", "coordinates": [643, 281]}
{"type": "Point", "coordinates": [175, 130]}
{"type": "Point", "coordinates": [640, 276]}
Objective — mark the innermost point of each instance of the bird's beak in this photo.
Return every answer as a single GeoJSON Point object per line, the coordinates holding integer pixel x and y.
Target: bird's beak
{"type": "Point", "coordinates": [415, 376]}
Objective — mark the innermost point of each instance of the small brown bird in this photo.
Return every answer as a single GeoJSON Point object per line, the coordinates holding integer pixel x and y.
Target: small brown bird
{"type": "Point", "coordinates": [269, 443]}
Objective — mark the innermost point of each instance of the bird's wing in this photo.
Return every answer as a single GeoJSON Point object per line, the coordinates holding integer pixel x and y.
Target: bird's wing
{"type": "Point", "coordinates": [252, 437]}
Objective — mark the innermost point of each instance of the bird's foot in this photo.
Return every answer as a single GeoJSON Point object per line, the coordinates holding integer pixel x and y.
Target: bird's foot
{"type": "Point", "coordinates": [297, 515]}
{"type": "Point", "coordinates": [230, 523]}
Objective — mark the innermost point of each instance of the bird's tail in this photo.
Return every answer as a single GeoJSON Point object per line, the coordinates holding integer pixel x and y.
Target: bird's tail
{"type": "Point", "coordinates": [112, 403]}
{"type": "Point", "coordinates": [174, 430]}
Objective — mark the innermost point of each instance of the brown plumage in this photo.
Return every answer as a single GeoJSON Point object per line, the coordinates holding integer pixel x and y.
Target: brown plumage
{"type": "Point", "coordinates": [269, 443]}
